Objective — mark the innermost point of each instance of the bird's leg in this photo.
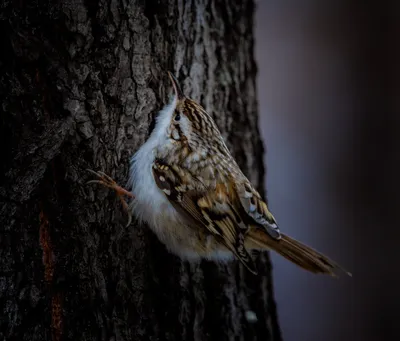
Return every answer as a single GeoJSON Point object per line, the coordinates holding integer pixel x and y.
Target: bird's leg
{"type": "Point", "coordinates": [105, 180]}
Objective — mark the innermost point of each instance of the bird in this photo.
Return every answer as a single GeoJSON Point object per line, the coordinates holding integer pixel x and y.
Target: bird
{"type": "Point", "coordinates": [188, 188]}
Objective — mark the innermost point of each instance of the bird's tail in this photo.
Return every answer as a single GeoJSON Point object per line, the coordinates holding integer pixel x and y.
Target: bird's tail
{"type": "Point", "coordinates": [298, 253]}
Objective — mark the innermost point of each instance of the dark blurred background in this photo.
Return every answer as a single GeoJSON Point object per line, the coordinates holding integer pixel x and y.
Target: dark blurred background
{"type": "Point", "coordinates": [327, 88]}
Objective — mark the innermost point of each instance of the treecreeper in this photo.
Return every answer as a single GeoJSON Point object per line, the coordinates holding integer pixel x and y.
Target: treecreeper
{"type": "Point", "coordinates": [187, 187]}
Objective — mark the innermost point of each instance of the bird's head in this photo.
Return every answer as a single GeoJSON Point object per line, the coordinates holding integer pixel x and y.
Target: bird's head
{"type": "Point", "coordinates": [189, 120]}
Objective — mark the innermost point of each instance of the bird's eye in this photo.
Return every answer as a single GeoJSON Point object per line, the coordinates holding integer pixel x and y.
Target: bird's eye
{"type": "Point", "coordinates": [177, 117]}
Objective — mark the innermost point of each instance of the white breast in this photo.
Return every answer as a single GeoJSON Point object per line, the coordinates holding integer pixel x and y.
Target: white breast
{"type": "Point", "coordinates": [150, 204]}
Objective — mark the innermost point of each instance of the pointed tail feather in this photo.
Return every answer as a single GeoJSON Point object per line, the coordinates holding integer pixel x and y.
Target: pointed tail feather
{"type": "Point", "coordinates": [295, 251]}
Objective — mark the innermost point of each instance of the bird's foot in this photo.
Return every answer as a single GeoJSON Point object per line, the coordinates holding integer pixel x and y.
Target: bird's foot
{"type": "Point", "coordinates": [105, 180]}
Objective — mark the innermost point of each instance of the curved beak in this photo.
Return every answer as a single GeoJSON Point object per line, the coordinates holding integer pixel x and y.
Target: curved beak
{"type": "Point", "coordinates": [178, 92]}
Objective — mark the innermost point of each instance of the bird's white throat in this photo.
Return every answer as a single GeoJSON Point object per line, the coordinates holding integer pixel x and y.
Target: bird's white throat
{"type": "Point", "coordinates": [150, 204]}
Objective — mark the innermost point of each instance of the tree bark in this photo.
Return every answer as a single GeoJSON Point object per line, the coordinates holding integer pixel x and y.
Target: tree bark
{"type": "Point", "coordinates": [81, 82]}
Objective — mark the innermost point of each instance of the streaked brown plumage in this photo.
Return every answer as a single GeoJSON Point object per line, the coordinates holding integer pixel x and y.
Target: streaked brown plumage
{"type": "Point", "coordinates": [189, 189]}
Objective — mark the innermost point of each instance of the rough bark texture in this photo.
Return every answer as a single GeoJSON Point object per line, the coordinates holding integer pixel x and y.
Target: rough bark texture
{"type": "Point", "coordinates": [80, 84]}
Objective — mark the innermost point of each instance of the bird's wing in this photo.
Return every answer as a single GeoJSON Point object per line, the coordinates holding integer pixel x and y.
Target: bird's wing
{"type": "Point", "coordinates": [256, 208]}
{"type": "Point", "coordinates": [209, 207]}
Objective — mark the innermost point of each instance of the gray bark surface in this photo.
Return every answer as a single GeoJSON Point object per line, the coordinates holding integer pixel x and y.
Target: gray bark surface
{"type": "Point", "coordinates": [80, 85]}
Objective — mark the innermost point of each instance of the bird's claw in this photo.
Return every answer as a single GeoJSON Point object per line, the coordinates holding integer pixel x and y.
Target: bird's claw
{"type": "Point", "coordinates": [103, 179]}
{"type": "Point", "coordinates": [106, 180]}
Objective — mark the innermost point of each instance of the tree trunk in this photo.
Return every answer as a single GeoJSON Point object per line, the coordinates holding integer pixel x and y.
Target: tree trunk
{"type": "Point", "coordinates": [81, 82]}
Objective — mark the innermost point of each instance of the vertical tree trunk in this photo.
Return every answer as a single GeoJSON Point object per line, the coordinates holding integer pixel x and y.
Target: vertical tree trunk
{"type": "Point", "coordinates": [81, 82]}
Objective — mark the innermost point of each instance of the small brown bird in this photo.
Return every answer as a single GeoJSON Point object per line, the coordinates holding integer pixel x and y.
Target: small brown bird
{"type": "Point", "coordinates": [190, 191]}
